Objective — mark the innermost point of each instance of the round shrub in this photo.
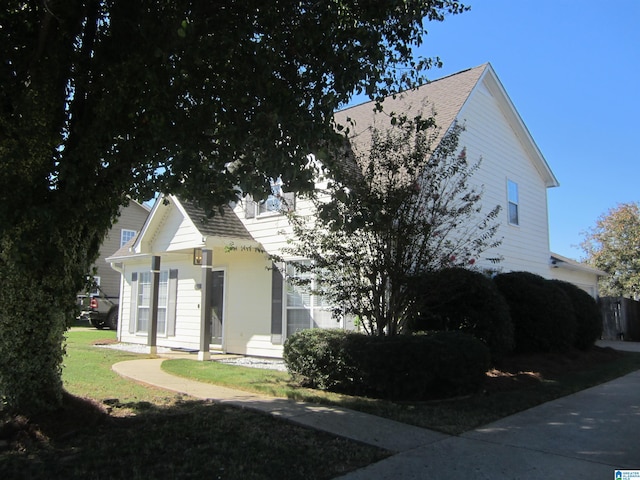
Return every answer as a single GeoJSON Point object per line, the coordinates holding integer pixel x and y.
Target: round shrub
{"type": "Point", "coordinates": [401, 367]}
{"type": "Point", "coordinates": [587, 312]}
{"type": "Point", "coordinates": [542, 314]}
{"type": "Point", "coordinates": [319, 358]}
{"type": "Point", "coordinates": [460, 299]}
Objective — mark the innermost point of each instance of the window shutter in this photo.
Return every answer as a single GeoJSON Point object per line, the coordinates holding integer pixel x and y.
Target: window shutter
{"type": "Point", "coordinates": [172, 302]}
{"type": "Point", "coordinates": [133, 315]}
{"type": "Point", "coordinates": [249, 207]}
{"type": "Point", "coordinates": [277, 286]}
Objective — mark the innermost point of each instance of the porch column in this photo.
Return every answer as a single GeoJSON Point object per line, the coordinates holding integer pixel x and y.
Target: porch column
{"type": "Point", "coordinates": [206, 305]}
{"type": "Point", "coordinates": [152, 332]}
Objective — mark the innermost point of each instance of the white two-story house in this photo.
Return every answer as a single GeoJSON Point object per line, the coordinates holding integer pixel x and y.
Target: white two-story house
{"type": "Point", "coordinates": [253, 310]}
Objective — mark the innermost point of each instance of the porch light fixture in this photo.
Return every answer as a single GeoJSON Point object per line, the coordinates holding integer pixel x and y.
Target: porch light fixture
{"type": "Point", "coordinates": [197, 256]}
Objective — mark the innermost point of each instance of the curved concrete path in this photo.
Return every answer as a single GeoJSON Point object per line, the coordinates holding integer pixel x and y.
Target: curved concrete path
{"type": "Point", "coordinates": [381, 432]}
{"type": "Point", "coordinates": [587, 435]}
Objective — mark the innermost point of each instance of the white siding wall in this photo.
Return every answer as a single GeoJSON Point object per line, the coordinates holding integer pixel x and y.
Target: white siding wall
{"type": "Point", "coordinates": [272, 230]}
{"type": "Point", "coordinates": [187, 306]}
{"type": "Point", "coordinates": [247, 327]}
{"type": "Point", "coordinates": [177, 233]}
{"type": "Point", "coordinates": [489, 135]}
{"type": "Point", "coordinates": [247, 302]}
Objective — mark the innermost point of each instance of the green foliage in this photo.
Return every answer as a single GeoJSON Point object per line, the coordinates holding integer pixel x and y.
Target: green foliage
{"type": "Point", "coordinates": [402, 367]}
{"type": "Point", "coordinates": [459, 299]}
{"type": "Point", "coordinates": [403, 208]}
{"type": "Point", "coordinates": [319, 358]}
{"type": "Point", "coordinates": [542, 314]}
{"type": "Point", "coordinates": [31, 345]}
{"type": "Point", "coordinates": [612, 245]}
{"type": "Point", "coordinates": [587, 312]}
{"type": "Point", "coordinates": [105, 99]}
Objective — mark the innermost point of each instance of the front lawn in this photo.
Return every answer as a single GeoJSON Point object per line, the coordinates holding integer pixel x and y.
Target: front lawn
{"type": "Point", "coordinates": [150, 433]}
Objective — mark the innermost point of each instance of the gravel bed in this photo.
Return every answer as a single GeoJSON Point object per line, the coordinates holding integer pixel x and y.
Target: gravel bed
{"type": "Point", "coordinates": [254, 362]}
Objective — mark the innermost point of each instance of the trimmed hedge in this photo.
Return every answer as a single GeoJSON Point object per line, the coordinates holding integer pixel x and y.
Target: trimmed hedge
{"type": "Point", "coordinates": [319, 358]}
{"type": "Point", "coordinates": [587, 312]}
{"type": "Point", "coordinates": [542, 314]}
{"type": "Point", "coordinates": [402, 367]}
{"type": "Point", "coordinates": [460, 299]}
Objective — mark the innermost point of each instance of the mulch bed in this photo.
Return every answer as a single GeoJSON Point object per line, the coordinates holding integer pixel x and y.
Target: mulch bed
{"type": "Point", "coordinates": [519, 371]}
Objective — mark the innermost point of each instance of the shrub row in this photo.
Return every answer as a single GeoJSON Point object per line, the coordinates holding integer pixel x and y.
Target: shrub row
{"type": "Point", "coordinates": [517, 311]}
{"type": "Point", "coordinates": [587, 312]}
{"type": "Point", "coordinates": [542, 314]}
{"type": "Point", "coordinates": [408, 367]}
{"type": "Point", "coordinates": [456, 299]}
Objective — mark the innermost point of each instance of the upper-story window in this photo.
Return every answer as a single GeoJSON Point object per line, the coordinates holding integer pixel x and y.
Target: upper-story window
{"type": "Point", "coordinates": [276, 203]}
{"type": "Point", "coordinates": [513, 210]}
{"type": "Point", "coordinates": [125, 236]}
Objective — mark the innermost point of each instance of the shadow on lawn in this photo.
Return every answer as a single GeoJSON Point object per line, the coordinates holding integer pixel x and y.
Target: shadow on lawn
{"type": "Point", "coordinates": [140, 440]}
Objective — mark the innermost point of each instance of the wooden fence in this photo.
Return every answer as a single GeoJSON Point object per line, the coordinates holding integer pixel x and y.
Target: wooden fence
{"type": "Point", "coordinates": [620, 318]}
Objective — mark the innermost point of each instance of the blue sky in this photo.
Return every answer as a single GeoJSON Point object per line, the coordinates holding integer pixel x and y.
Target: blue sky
{"type": "Point", "coordinates": [572, 70]}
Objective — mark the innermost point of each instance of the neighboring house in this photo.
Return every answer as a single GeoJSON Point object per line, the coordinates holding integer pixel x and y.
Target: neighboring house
{"type": "Point", "coordinates": [128, 225]}
{"type": "Point", "coordinates": [254, 310]}
{"type": "Point", "coordinates": [580, 274]}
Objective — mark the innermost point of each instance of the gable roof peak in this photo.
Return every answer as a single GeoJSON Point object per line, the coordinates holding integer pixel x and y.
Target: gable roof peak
{"type": "Point", "coordinates": [466, 71]}
{"type": "Point", "coordinates": [442, 98]}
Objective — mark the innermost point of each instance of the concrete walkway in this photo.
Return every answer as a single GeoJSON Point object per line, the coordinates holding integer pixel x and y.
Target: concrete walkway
{"type": "Point", "coordinates": [586, 435]}
{"type": "Point", "coordinates": [369, 429]}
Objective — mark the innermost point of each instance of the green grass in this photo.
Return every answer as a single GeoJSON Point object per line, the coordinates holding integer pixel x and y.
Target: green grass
{"type": "Point", "coordinates": [156, 434]}
{"type": "Point", "coordinates": [87, 372]}
{"type": "Point", "coordinates": [269, 382]}
{"type": "Point", "coordinates": [452, 416]}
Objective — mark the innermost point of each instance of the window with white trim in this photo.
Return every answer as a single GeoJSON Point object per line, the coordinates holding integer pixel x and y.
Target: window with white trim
{"type": "Point", "coordinates": [513, 203]}
{"type": "Point", "coordinates": [276, 203]}
{"type": "Point", "coordinates": [144, 302]}
{"type": "Point", "coordinates": [125, 236]}
{"type": "Point", "coordinates": [303, 308]}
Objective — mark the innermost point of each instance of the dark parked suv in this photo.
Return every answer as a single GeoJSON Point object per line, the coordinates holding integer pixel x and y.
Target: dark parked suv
{"type": "Point", "coordinates": [100, 310]}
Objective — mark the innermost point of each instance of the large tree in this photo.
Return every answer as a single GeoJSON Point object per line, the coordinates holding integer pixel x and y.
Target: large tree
{"type": "Point", "coordinates": [612, 245]}
{"type": "Point", "coordinates": [105, 99]}
{"type": "Point", "coordinates": [403, 207]}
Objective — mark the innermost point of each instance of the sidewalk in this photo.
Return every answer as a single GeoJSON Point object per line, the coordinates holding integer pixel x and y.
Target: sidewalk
{"type": "Point", "coordinates": [585, 435]}
{"type": "Point", "coordinates": [381, 432]}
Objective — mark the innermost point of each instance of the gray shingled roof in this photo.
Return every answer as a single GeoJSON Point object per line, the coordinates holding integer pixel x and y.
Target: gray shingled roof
{"type": "Point", "coordinates": [444, 97]}
{"type": "Point", "coordinates": [225, 224]}
{"type": "Point", "coordinates": [125, 250]}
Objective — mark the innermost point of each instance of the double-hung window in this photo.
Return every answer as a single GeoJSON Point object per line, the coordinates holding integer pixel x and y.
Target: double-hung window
{"type": "Point", "coordinates": [513, 203]}
{"type": "Point", "coordinates": [305, 309]}
{"type": "Point", "coordinates": [144, 302]}
{"type": "Point", "coordinates": [276, 203]}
